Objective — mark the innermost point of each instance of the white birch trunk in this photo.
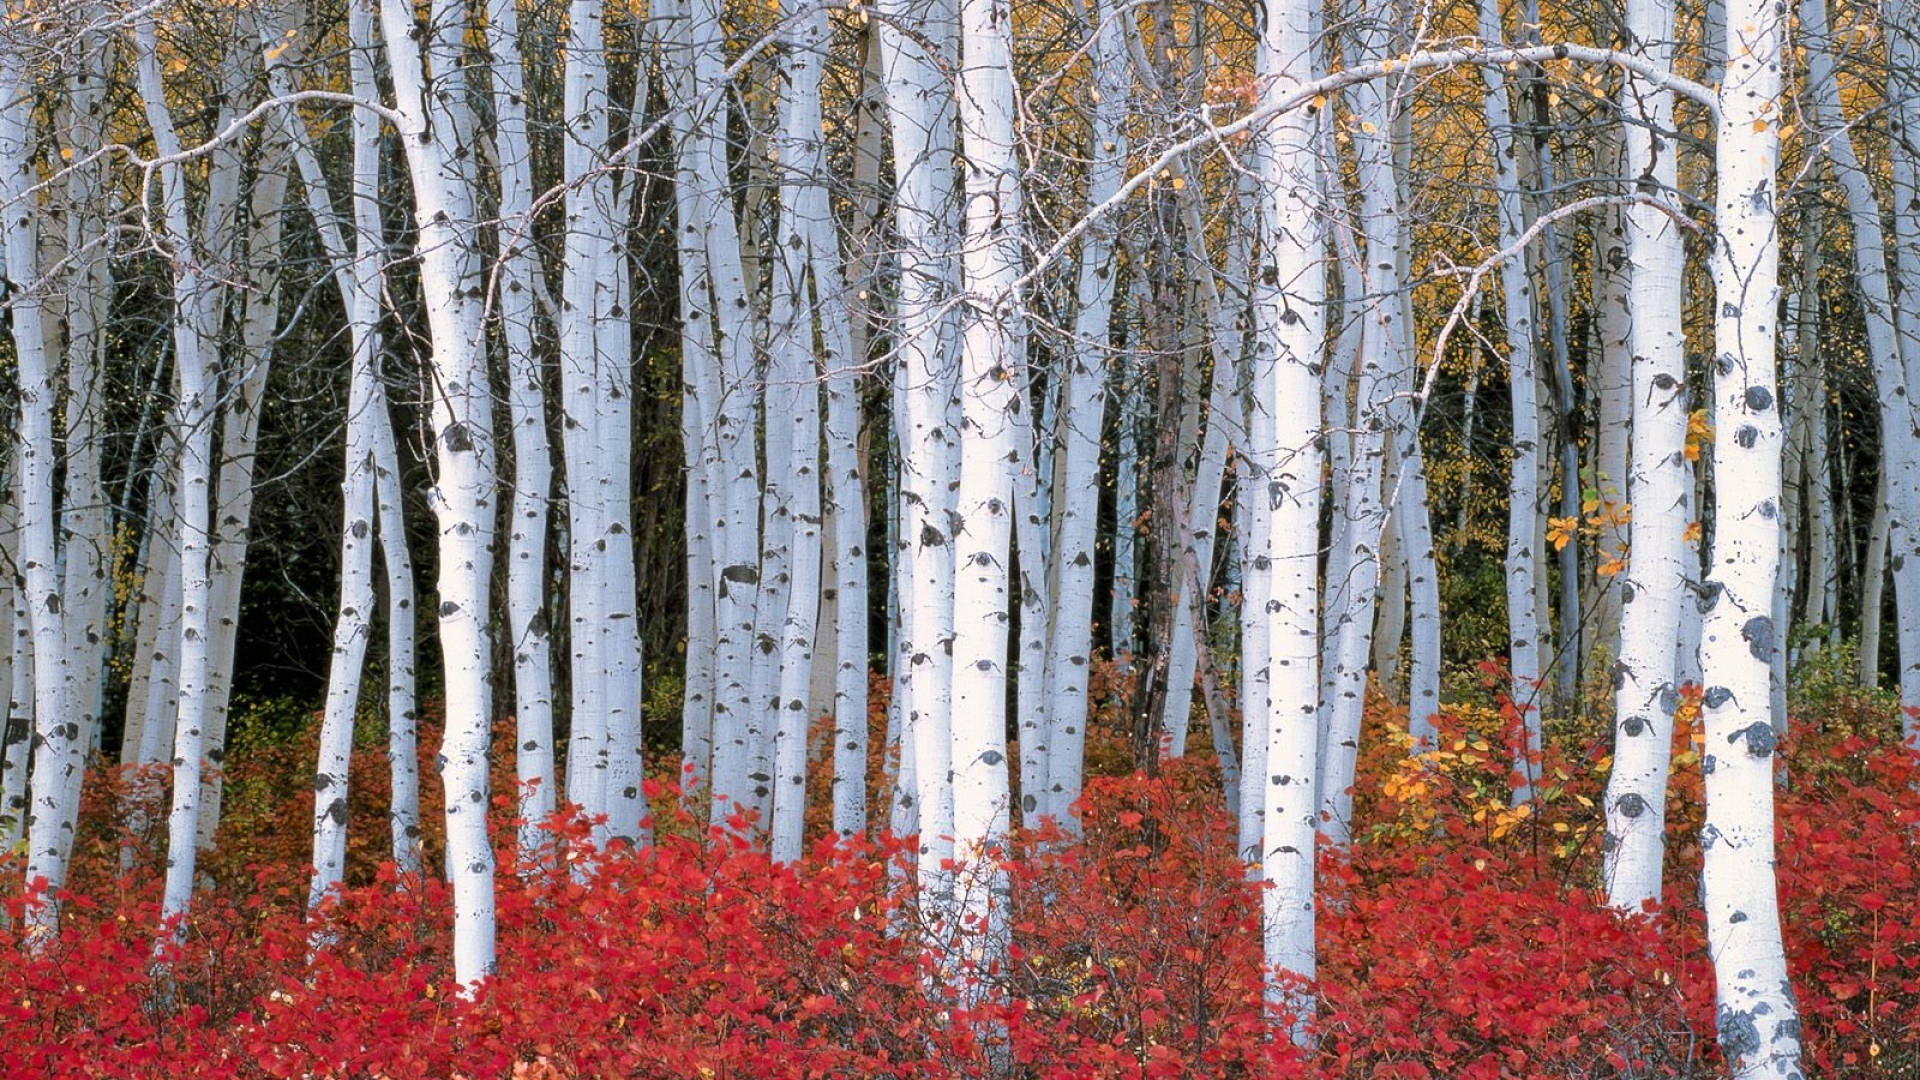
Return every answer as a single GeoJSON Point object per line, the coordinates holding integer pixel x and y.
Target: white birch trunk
{"type": "Point", "coordinates": [1381, 374]}
{"type": "Point", "coordinates": [991, 359]}
{"type": "Point", "coordinates": [1900, 448]}
{"type": "Point", "coordinates": [239, 438]}
{"type": "Point", "coordinates": [849, 551]}
{"type": "Point", "coordinates": [1654, 587]}
{"type": "Point", "coordinates": [920, 109]}
{"type": "Point", "coordinates": [700, 389]}
{"type": "Point", "coordinates": [59, 743]}
{"type": "Point", "coordinates": [1289, 312]}
{"type": "Point", "coordinates": [16, 737]}
{"type": "Point", "coordinates": [1898, 23]}
{"type": "Point", "coordinates": [1523, 624]}
{"type": "Point", "coordinates": [793, 401]}
{"type": "Point", "coordinates": [462, 422]}
{"type": "Point", "coordinates": [195, 299]}
{"type": "Point", "coordinates": [1756, 1016]}
{"type": "Point", "coordinates": [529, 616]}
{"type": "Point", "coordinates": [86, 525]}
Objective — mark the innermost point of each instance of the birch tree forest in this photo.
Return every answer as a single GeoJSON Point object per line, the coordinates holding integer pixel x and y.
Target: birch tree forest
{"type": "Point", "coordinates": [935, 538]}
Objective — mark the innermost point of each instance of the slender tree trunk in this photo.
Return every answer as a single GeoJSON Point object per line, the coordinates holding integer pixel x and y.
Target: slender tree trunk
{"type": "Point", "coordinates": [1757, 1019]}
{"type": "Point", "coordinates": [1381, 375]}
{"type": "Point", "coordinates": [991, 358]}
{"type": "Point", "coordinates": [793, 400]}
{"type": "Point", "coordinates": [59, 743]}
{"type": "Point", "coordinates": [921, 114]}
{"type": "Point", "coordinates": [1289, 311]}
{"type": "Point", "coordinates": [1898, 23]}
{"type": "Point", "coordinates": [434, 131]}
{"type": "Point", "coordinates": [1654, 588]}
{"type": "Point", "coordinates": [1900, 449]}
{"type": "Point", "coordinates": [195, 297]}
{"type": "Point", "coordinates": [1523, 570]}
{"type": "Point", "coordinates": [529, 615]}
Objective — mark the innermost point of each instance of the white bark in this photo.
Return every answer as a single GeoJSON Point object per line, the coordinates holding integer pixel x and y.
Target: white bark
{"type": "Point", "coordinates": [700, 390]}
{"type": "Point", "coordinates": [1523, 624]}
{"type": "Point", "coordinates": [239, 438]}
{"type": "Point", "coordinates": [991, 359]}
{"type": "Point", "coordinates": [1289, 312]}
{"type": "Point", "coordinates": [1893, 369]}
{"type": "Point", "coordinates": [1382, 375]}
{"type": "Point", "coordinates": [734, 490]}
{"type": "Point", "coordinates": [1613, 398]}
{"type": "Point", "coordinates": [603, 760]}
{"type": "Point", "coordinates": [196, 313]}
{"type": "Point", "coordinates": [529, 616]}
{"type": "Point", "coordinates": [846, 336]}
{"type": "Point", "coordinates": [1757, 1019]}
{"type": "Point", "coordinates": [59, 743]}
{"type": "Point", "coordinates": [86, 526]}
{"type": "Point", "coordinates": [16, 736]}
{"type": "Point", "coordinates": [920, 110]}
{"type": "Point", "coordinates": [793, 401]}
{"type": "Point", "coordinates": [1898, 22]}
{"type": "Point", "coordinates": [438, 158]}
{"type": "Point", "coordinates": [1654, 586]}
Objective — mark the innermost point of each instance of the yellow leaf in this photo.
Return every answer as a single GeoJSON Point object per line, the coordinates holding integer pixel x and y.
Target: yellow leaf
{"type": "Point", "coordinates": [1319, 101]}
{"type": "Point", "coordinates": [1560, 530]}
{"type": "Point", "coordinates": [1760, 125]}
{"type": "Point", "coordinates": [1368, 127]}
{"type": "Point", "coordinates": [1692, 534]}
{"type": "Point", "coordinates": [1611, 564]}
{"type": "Point", "coordinates": [66, 153]}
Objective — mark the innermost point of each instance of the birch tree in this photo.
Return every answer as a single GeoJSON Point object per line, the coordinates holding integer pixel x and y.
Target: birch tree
{"type": "Point", "coordinates": [1289, 313]}
{"type": "Point", "coordinates": [433, 128]}
{"type": "Point", "coordinates": [1645, 691]}
{"type": "Point", "coordinates": [1757, 1019]}
{"type": "Point", "coordinates": [59, 744]}
{"type": "Point", "coordinates": [991, 357]}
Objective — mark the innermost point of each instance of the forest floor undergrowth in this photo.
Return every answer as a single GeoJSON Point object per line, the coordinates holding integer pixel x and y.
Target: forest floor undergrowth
{"type": "Point", "coordinates": [1460, 937]}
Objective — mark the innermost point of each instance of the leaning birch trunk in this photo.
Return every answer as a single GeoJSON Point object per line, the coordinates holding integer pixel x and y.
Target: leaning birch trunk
{"type": "Point", "coordinates": [59, 745]}
{"type": "Point", "coordinates": [529, 619]}
{"type": "Point", "coordinates": [1900, 24]}
{"type": "Point", "coordinates": [195, 298]}
{"type": "Point", "coordinates": [1289, 311]}
{"type": "Point", "coordinates": [352, 625]}
{"type": "Point", "coordinates": [1654, 586]}
{"type": "Point", "coordinates": [462, 421]}
{"type": "Point", "coordinates": [239, 438]}
{"type": "Point", "coordinates": [355, 258]}
{"type": "Point", "coordinates": [1900, 448]}
{"type": "Point", "coordinates": [1382, 366]}
{"type": "Point", "coordinates": [1756, 1016]}
{"type": "Point", "coordinates": [921, 112]}
{"type": "Point", "coordinates": [793, 400]}
{"type": "Point", "coordinates": [403, 756]}
{"type": "Point", "coordinates": [991, 357]}
{"type": "Point", "coordinates": [1523, 625]}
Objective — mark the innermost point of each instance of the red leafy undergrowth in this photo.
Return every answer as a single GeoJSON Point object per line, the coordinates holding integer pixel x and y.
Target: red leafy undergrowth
{"type": "Point", "coordinates": [1456, 940]}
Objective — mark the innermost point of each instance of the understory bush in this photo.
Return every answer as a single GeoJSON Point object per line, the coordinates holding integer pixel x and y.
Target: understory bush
{"type": "Point", "coordinates": [1459, 937]}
